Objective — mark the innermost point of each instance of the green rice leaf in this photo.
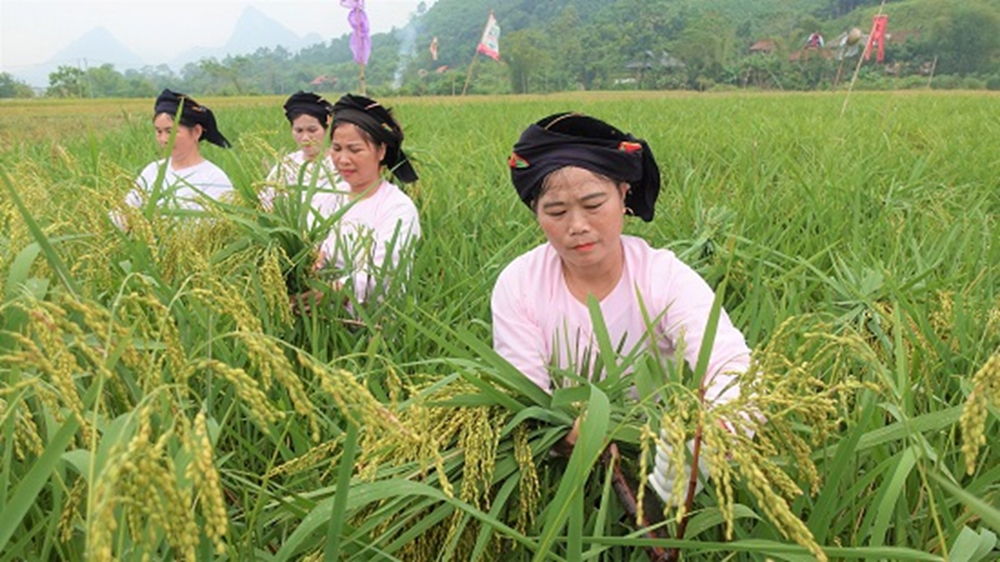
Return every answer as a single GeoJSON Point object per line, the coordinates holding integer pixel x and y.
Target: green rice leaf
{"type": "Point", "coordinates": [363, 494]}
{"type": "Point", "coordinates": [608, 356]}
{"type": "Point", "coordinates": [20, 267]}
{"type": "Point", "coordinates": [890, 492]}
{"type": "Point", "coordinates": [826, 506]}
{"type": "Point", "coordinates": [344, 472]}
{"type": "Point", "coordinates": [989, 514]}
{"type": "Point", "coordinates": [589, 445]}
{"type": "Point", "coordinates": [499, 504]}
{"type": "Point", "coordinates": [31, 485]}
{"type": "Point", "coordinates": [971, 546]}
{"type": "Point", "coordinates": [55, 262]}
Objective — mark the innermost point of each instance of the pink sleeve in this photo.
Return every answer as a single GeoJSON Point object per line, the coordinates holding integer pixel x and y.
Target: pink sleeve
{"type": "Point", "coordinates": [517, 337]}
{"type": "Point", "coordinates": [687, 317]}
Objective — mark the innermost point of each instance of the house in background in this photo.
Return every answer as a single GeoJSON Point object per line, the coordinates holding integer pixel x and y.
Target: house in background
{"type": "Point", "coordinates": [324, 83]}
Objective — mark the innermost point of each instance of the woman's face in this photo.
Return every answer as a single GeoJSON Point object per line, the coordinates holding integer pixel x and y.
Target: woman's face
{"type": "Point", "coordinates": [356, 158]}
{"type": "Point", "coordinates": [186, 141]}
{"type": "Point", "coordinates": [308, 133]}
{"type": "Point", "coordinates": [582, 215]}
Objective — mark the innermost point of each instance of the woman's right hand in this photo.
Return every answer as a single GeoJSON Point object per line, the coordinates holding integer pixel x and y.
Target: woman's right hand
{"type": "Point", "coordinates": [303, 303]}
{"type": "Point", "coordinates": [564, 448]}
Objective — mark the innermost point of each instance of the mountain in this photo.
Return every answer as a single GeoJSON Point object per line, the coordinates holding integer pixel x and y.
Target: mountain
{"type": "Point", "coordinates": [94, 48]}
{"type": "Point", "coordinates": [254, 30]}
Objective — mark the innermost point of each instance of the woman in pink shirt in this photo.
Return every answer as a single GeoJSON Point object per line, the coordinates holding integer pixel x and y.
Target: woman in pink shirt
{"type": "Point", "coordinates": [581, 177]}
{"type": "Point", "coordinates": [371, 241]}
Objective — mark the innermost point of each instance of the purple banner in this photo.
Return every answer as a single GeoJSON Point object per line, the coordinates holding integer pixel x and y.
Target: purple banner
{"type": "Point", "coordinates": [361, 43]}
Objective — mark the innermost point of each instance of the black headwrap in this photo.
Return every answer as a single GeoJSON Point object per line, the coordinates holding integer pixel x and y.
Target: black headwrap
{"type": "Point", "coordinates": [377, 121]}
{"type": "Point", "coordinates": [192, 114]}
{"type": "Point", "coordinates": [308, 103]}
{"type": "Point", "coordinates": [572, 139]}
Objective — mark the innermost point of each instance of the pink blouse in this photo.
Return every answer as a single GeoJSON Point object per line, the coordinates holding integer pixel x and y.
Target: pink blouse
{"type": "Point", "coordinates": [537, 322]}
{"type": "Point", "coordinates": [371, 237]}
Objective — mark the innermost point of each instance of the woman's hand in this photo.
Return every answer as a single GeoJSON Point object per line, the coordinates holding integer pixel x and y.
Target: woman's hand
{"type": "Point", "coordinates": [321, 260]}
{"type": "Point", "coordinates": [564, 448]}
{"type": "Point", "coordinates": [303, 303]}
{"type": "Point", "coordinates": [664, 473]}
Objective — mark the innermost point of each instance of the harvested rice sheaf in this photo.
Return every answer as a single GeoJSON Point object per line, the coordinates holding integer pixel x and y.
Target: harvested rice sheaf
{"type": "Point", "coordinates": [800, 379]}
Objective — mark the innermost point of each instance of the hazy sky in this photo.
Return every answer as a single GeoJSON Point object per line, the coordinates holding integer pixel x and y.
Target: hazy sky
{"type": "Point", "coordinates": [32, 31]}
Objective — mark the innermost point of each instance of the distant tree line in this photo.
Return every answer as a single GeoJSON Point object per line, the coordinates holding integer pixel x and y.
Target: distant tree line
{"type": "Point", "coordinates": [589, 44]}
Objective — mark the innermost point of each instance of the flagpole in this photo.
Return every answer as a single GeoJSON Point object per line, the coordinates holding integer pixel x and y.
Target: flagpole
{"type": "Point", "coordinates": [362, 78]}
{"type": "Point", "coordinates": [468, 76]}
{"type": "Point", "coordinates": [861, 57]}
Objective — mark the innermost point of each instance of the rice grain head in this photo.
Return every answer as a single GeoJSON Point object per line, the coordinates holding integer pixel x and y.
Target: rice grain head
{"type": "Point", "coordinates": [985, 390]}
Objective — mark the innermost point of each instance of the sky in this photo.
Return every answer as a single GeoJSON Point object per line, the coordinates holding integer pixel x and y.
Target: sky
{"type": "Point", "coordinates": [32, 31]}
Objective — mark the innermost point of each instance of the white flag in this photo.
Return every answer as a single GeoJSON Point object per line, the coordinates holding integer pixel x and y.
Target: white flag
{"type": "Point", "coordinates": [489, 45]}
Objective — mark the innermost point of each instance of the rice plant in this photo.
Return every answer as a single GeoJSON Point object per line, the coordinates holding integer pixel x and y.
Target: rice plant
{"type": "Point", "coordinates": [161, 399]}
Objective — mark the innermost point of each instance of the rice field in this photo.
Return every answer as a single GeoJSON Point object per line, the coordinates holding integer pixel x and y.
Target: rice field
{"type": "Point", "coordinates": [160, 400]}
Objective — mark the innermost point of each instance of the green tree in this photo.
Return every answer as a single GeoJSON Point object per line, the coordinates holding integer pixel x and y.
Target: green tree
{"type": "Point", "coordinates": [604, 59]}
{"type": "Point", "coordinates": [838, 8]}
{"type": "Point", "coordinates": [232, 70]}
{"type": "Point", "coordinates": [705, 45]}
{"type": "Point", "coordinates": [526, 57]}
{"type": "Point", "coordinates": [140, 85]}
{"type": "Point", "coordinates": [273, 76]}
{"type": "Point", "coordinates": [568, 50]}
{"type": "Point", "coordinates": [967, 40]}
{"type": "Point", "coordinates": [11, 87]}
{"type": "Point", "coordinates": [67, 82]}
{"type": "Point", "coordinates": [105, 82]}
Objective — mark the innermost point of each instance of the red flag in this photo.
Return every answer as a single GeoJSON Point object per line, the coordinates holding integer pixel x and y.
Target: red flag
{"type": "Point", "coordinates": [877, 36]}
{"type": "Point", "coordinates": [489, 45]}
{"type": "Point", "coordinates": [434, 49]}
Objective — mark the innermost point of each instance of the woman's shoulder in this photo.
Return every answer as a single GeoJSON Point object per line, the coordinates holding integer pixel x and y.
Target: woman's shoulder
{"type": "Point", "coordinates": [658, 271]}
{"type": "Point", "coordinates": [149, 172]}
{"type": "Point", "coordinates": [211, 168]}
{"type": "Point", "coordinates": [389, 190]}
{"type": "Point", "coordinates": [297, 157]}
{"type": "Point", "coordinates": [208, 165]}
{"type": "Point", "coordinates": [154, 165]}
{"type": "Point", "coordinates": [639, 249]}
{"type": "Point", "coordinates": [391, 195]}
{"type": "Point", "coordinates": [287, 167]}
{"type": "Point", "coordinates": [647, 262]}
{"type": "Point", "coordinates": [532, 267]}
{"type": "Point", "coordinates": [206, 175]}
{"type": "Point", "coordinates": [531, 282]}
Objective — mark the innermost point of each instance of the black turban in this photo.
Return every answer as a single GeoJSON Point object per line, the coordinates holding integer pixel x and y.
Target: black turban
{"type": "Point", "coordinates": [572, 139]}
{"type": "Point", "coordinates": [192, 114]}
{"type": "Point", "coordinates": [377, 121]}
{"type": "Point", "coordinates": [308, 103]}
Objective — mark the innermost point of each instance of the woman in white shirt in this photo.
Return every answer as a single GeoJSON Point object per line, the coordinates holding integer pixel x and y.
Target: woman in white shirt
{"type": "Point", "coordinates": [188, 178]}
{"type": "Point", "coordinates": [309, 169]}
